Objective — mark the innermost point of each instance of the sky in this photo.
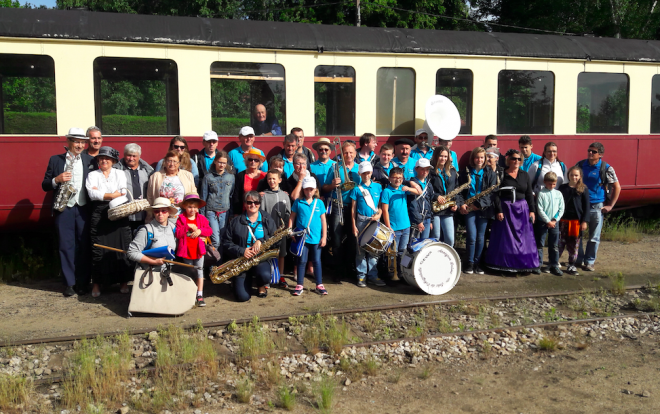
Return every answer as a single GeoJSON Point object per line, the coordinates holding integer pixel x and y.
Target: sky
{"type": "Point", "coordinates": [47, 3]}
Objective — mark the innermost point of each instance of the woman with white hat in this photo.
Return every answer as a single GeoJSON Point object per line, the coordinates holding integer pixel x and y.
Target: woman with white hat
{"type": "Point", "coordinates": [103, 186]}
{"type": "Point", "coordinates": [161, 230]}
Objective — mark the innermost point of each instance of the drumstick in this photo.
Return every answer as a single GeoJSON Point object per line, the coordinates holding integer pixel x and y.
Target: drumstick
{"type": "Point", "coordinates": [164, 260]}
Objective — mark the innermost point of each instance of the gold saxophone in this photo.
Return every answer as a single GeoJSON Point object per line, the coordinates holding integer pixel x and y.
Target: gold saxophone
{"type": "Point", "coordinates": [226, 271]}
{"type": "Point", "coordinates": [437, 207]}
{"type": "Point", "coordinates": [483, 193]}
{"type": "Point", "coordinates": [66, 191]}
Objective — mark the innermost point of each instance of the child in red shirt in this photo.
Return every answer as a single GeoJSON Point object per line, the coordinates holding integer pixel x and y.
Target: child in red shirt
{"type": "Point", "coordinates": [191, 229]}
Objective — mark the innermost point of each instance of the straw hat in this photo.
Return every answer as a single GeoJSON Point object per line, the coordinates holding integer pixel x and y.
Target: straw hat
{"type": "Point", "coordinates": [321, 141]}
{"type": "Point", "coordinates": [255, 152]}
{"type": "Point", "coordinates": [162, 202]}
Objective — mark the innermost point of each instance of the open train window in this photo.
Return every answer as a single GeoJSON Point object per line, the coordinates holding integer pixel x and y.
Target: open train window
{"type": "Point", "coordinates": [602, 103]}
{"type": "Point", "coordinates": [27, 94]}
{"type": "Point", "coordinates": [334, 100]}
{"type": "Point", "coordinates": [237, 89]}
{"type": "Point", "coordinates": [655, 105]}
{"type": "Point", "coordinates": [136, 96]}
{"type": "Point", "coordinates": [395, 101]}
{"type": "Point", "coordinates": [525, 102]}
{"type": "Point", "coordinates": [456, 84]}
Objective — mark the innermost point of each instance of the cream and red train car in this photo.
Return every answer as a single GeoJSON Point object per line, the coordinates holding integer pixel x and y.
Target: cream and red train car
{"type": "Point", "coordinates": [145, 79]}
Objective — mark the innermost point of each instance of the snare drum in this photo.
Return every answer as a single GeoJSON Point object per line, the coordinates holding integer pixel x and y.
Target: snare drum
{"type": "Point", "coordinates": [376, 238]}
{"type": "Point", "coordinates": [434, 267]}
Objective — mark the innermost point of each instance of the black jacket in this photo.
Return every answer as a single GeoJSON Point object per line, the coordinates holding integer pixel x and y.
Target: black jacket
{"type": "Point", "coordinates": [451, 183]}
{"type": "Point", "coordinates": [234, 241]}
{"type": "Point", "coordinates": [239, 192]}
{"type": "Point", "coordinates": [379, 175]}
{"type": "Point", "coordinates": [419, 207]}
{"type": "Point", "coordinates": [484, 203]}
{"type": "Point", "coordinates": [56, 167]}
{"type": "Point", "coordinates": [581, 202]}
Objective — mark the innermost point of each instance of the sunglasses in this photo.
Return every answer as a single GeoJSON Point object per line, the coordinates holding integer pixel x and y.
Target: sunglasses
{"type": "Point", "coordinates": [516, 159]}
{"type": "Point", "coordinates": [252, 160]}
{"type": "Point", "coordinates": [592, 151]}
{"type": "Point", "coordinates": [323, 150]}
{"type": "Point", "coordinates": [160, 211]}
{"type": "Point", "coordinates": [179, 146]}
{"type": "Point", "coordinates": [253, 203]}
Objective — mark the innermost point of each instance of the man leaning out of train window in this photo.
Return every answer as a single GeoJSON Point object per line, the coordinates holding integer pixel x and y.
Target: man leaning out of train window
{"type": "Point", "coordinates": [264, 124]}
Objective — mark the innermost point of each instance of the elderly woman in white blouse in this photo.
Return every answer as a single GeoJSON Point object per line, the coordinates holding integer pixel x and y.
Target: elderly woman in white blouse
{"type": "Point", "coordinates": [103, 186]}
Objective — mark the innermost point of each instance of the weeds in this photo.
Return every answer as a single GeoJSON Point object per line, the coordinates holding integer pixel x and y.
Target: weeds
{"type": "Point", "coordinates": [254, 340]}
{"type": "Point", "coordinates": [425, 373]}
{"type": "Point", "coordinates": [371, 366]}
{"type": "Point", "coordinates": [244, 390]}
{"type": "Point", "coordinates": [329, 332]}
{"type": "Point", "coordinates": [395, 376]}
{"type": "Point", "coordinates": [325, 394]}
{"type": "Point", "coordinates": [444, 326]}
{"type": "Point", "coordinates": [618, 284]}
{"type": "Point", "coordinates": [15, 392]}
{"type": "Point", "coordinates": [623, 228]}
{"type": "Point", "coordinates": [286, 397]}
{"type": "Point", "coordinates": [548, 344]}
{"type": "Point", "coordinates": [651, 305]}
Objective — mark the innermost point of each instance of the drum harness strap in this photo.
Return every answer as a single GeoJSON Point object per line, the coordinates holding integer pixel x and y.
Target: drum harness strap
{"type": "Point", "coordinates": [367, 199]}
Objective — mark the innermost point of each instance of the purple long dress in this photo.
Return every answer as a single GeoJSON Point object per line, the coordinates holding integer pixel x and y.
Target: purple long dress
{"type": "Point", "coordinates": [512, 245]}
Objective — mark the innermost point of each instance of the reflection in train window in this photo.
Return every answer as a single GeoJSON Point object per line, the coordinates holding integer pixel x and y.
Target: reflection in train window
{"type": "Point", "coordinates": [334, 100]}
{"type": "Point", "coordinates": [395, 101]}
{"type": "Point", "coordinates": [525, 102]}
{"type": "Point", "coordinates": [27, 94]}
{"type": "Point", "coordinates": [456, 84]}
{"type": "Point", "coordinates": [602, 103]}
{"type": "Point", "coordinates": [237, 89]}
{"type": "Point", "coordinates": [655, 105]}
{"type": "Point", "coordinates": [136, 96]}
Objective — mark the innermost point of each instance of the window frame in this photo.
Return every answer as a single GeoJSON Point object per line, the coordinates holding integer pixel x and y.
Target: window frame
{"type": "Point", "coordinates": [551, 115]}
{"type": "Point", "coordinates": [470, 102]}
{"type": "Point", "coordinates": [414, 106]}
{"type": "Point", "coordinates": [577, 92]}
{"type": "Point", "coordinates": [353, 82]}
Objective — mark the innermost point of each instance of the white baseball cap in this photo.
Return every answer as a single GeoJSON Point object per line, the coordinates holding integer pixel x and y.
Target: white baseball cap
{"type": "Point", "coordinates": [309, 182]}
{"type": "Point", "coordinates": [245, 131]}
{"type": "Point", "coordinates": [210, 136]}
{"type": "Point", "coordinates": [423, 163]}
{"type": "Point", "coordinates": [420, 132]}
{"type": "Point", "coordinates": [364, 167]}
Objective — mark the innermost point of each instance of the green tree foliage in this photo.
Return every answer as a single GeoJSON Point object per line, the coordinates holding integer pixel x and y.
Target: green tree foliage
{"type": "Point", "coordinates": [10, 3]}
{"type": "Point", "coordinates": [225, 9]}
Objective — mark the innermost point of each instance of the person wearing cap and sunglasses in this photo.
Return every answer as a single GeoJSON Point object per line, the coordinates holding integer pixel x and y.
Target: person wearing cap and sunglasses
{"type": "Point", "coordinates": [421, 149]}
{"type": "Point", "coordinates": [103, 186]}
{"type": "Point", "coordinates": [246, 139]}
{"type": "Point", "coordinates": [323, 167]}
{"type": "Point", "coordinates": [72, 223]}
{"type": "Point", "coordinates": [204, 159]}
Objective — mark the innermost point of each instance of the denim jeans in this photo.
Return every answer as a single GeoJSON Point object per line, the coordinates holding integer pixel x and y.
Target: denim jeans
{"type": "Point", "coordinates": [311, 253]}
{"type": "Point", "coordinates": [595, 226]}
{"type": "Point", "coordinates": [443, 229]}
{"type": "Point", "coordinates": [414, 232]}
{"type": "Point", "coordinates": [365, 263]}
{"type": "Point", "coordinates": [540, 230]}
{"type": "Point", "coordinates": [475, 227]}
{"type": "Point", "coordinates": [217, 224]}
{"type": "Point", "coordinates": [402, 237]}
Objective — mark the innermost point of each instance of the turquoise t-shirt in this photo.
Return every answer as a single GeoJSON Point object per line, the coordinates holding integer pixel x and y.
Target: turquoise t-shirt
{"type": "Point", "coordinates": [375, 189]}
{"type": "Point", "coordinates": [454, 160]}
{"type": "Point", "coordinates": [322, 170]}
{"type": "Point", "coordinates": [408, 168]}
{"type": "Point", "coordinates": [477, 182]}
{"type": "Point", "coordinates": [236, 157]}
{"type": "Point", "coordinates": [303, 211]}
{"type": "Point", "coordinates": [397, 207]}
{"type": "Point", "coordinates": [529, 162]}
{"type": "Point", "coordinates": [354, 176]}
{"type": "Point", "coordinates": [360, 159]}
{"type": "Point", "coordinates": [288, 167]}
{"type": "Point", "coordinates": [257, 229]}
{"type": "Point", "coordinates": [417, 154]}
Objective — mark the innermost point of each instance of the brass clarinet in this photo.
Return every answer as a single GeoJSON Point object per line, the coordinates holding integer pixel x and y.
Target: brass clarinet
{"type": "Point", "coordinates": [437, 207]}
{"type": "Point", "coordinates": [67, 190]}
{"type": "Point", "coordinates": [226, 271]}
{"type": "Point", "coordinates": [482, 194]}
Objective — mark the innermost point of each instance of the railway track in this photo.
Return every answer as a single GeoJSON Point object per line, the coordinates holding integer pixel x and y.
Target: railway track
{"type": "Point", "coordinates": [277, 318]}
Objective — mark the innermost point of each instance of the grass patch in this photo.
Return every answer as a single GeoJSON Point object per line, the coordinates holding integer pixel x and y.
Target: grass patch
{"type": "Point", "coordinates": [650, 305]}
{"type": "Point", "coordinates": [371, 366]}
{"type": "Point", "coordinates": [254, 340]}
{"type": "Point", "coordinates": [618, 284]}
{"type": "Point", "coordinates": [15, 392]}
{"type": "Point", "coordinates": [623, 228]}
{"type": "Point", "coordinates": [548, 344]}
{"type": "Point", "coordinates": [425, 373]}
{"type": "Point", "coordinates": [325, 394]}
{"type": "Point", "coordinates": [244, 390]}
{"type": "Point", "coordinates": [395, 376]}
{"type": "Point", "coordinates": [330, 332]}
{"type": "Point", "coordinates": [286, 397]}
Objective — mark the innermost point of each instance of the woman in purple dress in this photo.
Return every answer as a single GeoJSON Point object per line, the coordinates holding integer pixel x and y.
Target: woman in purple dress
{"type": "Point", "coordinates": [512, 236]}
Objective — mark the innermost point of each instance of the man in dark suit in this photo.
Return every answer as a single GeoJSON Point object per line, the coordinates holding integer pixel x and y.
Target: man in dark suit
{"type": "Point", "coordinates": [71, 220]}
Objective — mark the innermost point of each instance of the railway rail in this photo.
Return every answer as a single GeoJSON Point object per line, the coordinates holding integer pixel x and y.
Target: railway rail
{"type": "Point", "coordinates": [215, 324]}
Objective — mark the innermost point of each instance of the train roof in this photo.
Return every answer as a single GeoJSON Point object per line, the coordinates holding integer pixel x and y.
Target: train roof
{"type": "Point", "coordinates": [86, 25]}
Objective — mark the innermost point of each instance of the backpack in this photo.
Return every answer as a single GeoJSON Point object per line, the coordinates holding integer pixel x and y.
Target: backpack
{"type": "Point", "coordinates": [602, 175]}
{"type": "Point", "coordinates": [540, 166]}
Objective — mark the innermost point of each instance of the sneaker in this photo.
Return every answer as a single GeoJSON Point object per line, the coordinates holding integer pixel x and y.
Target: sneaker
{"type": "Point", "coordinates": [200, 301]}
{"type": "Point", "coordinates": [572, 270]}
{"type": "Point", "coordinates": [361, 283]}
{"type": "Point", "coordinates": [537, 271]}
{"type": "Point", "coordinates": [377, 282]}
{"type": "Point", "coordinates": [282, 284]}
{"type": "Point", "coordinates": [478, 270]}
{"type": "Point", "coordinates": [469, 268]}
{"type": "Point", "coordinates": [555, 270]}
{"type": "Point", "coordinates": [69, 291]}
{"type": "Point", "coordinates": [298, 290]}
{"type": "Point", "coordinates": [545, 269]}
{"type": "Point", "coordinates": [588, 268]}
{"type": "Point", "coordinates": [320, 289]}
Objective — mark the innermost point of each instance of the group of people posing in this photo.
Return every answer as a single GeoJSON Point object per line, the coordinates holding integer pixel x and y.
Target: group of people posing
{"type": "Point", "coordinates": [234, 201]}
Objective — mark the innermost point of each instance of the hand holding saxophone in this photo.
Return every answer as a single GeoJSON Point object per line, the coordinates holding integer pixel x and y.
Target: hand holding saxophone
{"type": "Point", "coordinates": [64, 177]}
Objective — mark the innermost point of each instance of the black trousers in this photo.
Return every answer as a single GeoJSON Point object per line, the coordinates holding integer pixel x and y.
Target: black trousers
{"type": "Point", "coordinates": [242, 284]}
{"type": "Point", "coordinates": [344, 243]}
{"type": "Point", "coordinates": [74, 245]}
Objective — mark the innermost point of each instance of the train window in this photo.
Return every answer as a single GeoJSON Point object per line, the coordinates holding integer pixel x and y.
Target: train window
{"type": "Point", "coordinates": [655, 104]}
{"type": "Point", "coordinates": [136, 96]}
{"type": "Point", "coordinates": [525, 102]}
{"type": "Point", "coordinates": [334, 100]}
{"type": "Point", "coordinates": [27, 94]}
{"type": "Point", "coordinates": [395, 101]}
{"type": "Point", "coordinates": [237, 89]}
{"type": "Point", "coordinates": [456, 84]}
{"type": "Point", "coordinates": [602, 103]}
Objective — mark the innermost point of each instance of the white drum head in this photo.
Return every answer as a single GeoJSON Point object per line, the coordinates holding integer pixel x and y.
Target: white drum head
{"type": "Point", "coordinates": [436, 268]}
{"type": "Point", "coordinates": [368, 233]}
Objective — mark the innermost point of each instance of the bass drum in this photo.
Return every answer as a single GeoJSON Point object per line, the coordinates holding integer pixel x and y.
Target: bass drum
{"type": "Point", "coordinates": [433, 267]}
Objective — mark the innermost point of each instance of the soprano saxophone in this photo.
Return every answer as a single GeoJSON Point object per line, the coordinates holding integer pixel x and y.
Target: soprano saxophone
{"type": "Point", "coordinates": [482, 194]}
{"type": "Point", "coordinates": [437, 207]}
{"type": "Point", "coordinates": [226, 271]}
{"type": "Point", "coordinates": [67, 190]}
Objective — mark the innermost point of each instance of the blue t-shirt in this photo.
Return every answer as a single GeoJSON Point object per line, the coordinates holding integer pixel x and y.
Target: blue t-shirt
{"type": "Point", "coordinates": [303, 210]}
{"type": "Point", "coordinates": [477, 182]}
{"type": "Point", "coordinates": [354, 176]}
{"type": "Point", "coordinates": [322, 170]}
{"type": "Point", "coordinates": [398, 207]}
{"type": "Point", "coordinates": [375, 189]}
{"type": "Point", "coordinates": [361, 159]}
{"type": "Point", "coordinates": [208, 160]}
{"type": "Point", "coordinates": [236, 157]}
{"type": "Point", "coordinates": [529, 161]}
{"type": "Point", "coordinates": [454, 159]}
{"type": "Point", "coordinates": [417, 154]}
{"type": "Point", "coordinates": [288, 167]}
{"type": "Point", "coordinates": [408, 168]}
{"type": "Point", "coordinates": [257, 229]}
